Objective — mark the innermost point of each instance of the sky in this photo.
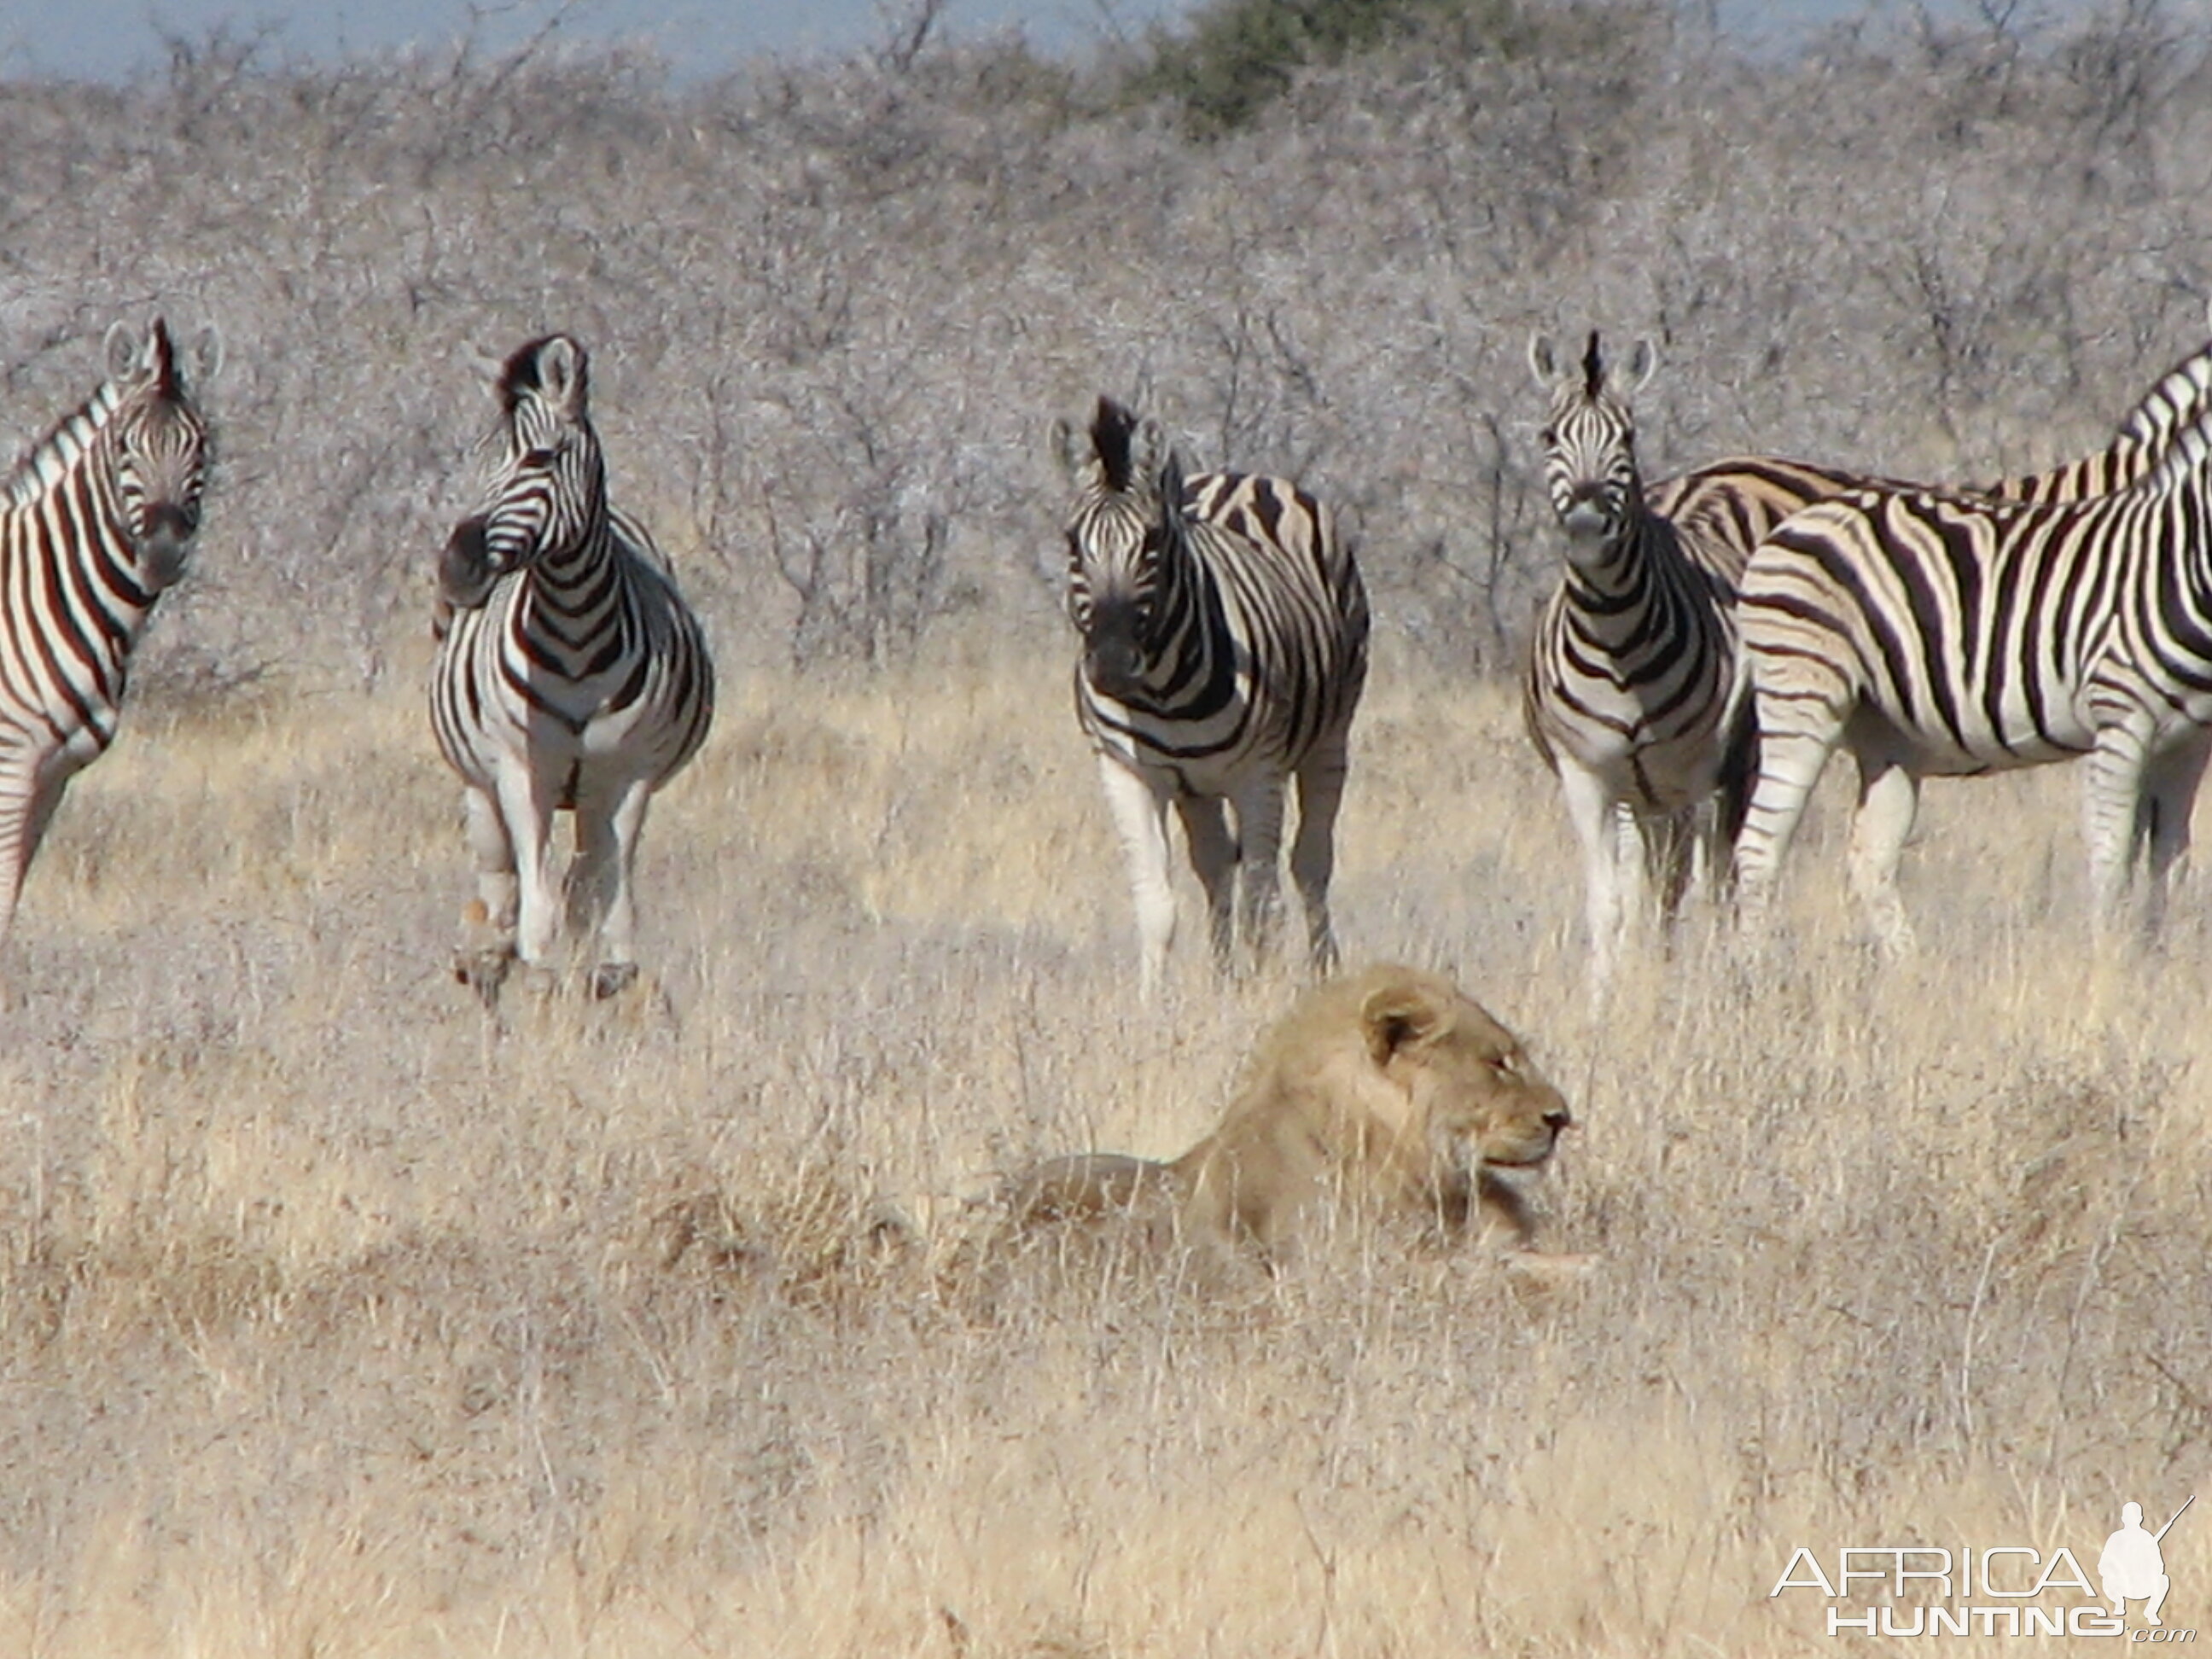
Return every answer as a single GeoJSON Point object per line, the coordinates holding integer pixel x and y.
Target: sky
{"type": "Point", "coordinates": [111, 39]}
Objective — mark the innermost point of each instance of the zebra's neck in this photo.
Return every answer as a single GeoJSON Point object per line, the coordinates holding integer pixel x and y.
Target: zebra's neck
{"type": "Point", "coordinates": [1190, 603]}
{"type": "Point", "coordinates": [2191, 514]}
{"type": "Point", "coordinates": [63, 449]}
{"type": "Point", "coordinates": [74, 462]}
{"type": "Point", "coordinates": [1620, 568]}
{"type": "Point", "coordinates": [569, 594]}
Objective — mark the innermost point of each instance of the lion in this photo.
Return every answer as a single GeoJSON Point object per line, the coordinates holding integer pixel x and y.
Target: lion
{"type": "Point", "coordinates": [1388, 1095]}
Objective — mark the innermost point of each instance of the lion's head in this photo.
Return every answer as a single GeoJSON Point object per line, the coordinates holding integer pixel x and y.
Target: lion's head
{"type": "Point", "coordinates": [1390, 1091]}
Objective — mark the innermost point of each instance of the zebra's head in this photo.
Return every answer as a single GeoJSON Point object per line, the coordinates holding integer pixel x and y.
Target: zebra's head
{"type": "Point", "coordinates": [1589, 442]}
{"type": "Point", "coordinates": [546, 494]}
{"type": "Point", "coordinates": [1129, 498]}
{"type": "Point", "coordinates": [158, 446]}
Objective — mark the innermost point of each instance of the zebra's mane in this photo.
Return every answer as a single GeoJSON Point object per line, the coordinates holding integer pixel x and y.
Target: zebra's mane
{"type": "Point", "coordinates": [1113, 430]}
{"type": "Point", "coordinates": [2191, 448]}
{"type": "Point", "coordinates": [45, 462]}
{"type": "Point", "coordinates": [2181, 390]}
{"type": "Point", "coordinates": [1592, 369]}
{"type": "Point", "coordinates": [632, 530]}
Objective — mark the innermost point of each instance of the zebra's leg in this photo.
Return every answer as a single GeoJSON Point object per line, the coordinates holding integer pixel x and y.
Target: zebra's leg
{"type": "Point", "coordinates": [525, 807]}
{"type": "Point", "coordinates": [1140, 815]}
{"type": "Point", "coordinates": [1313, 854]}
{"type": "Point", "coordinates": [1259, 858]}
{"type": "Point", "coordinates": [1889, 802]}
{"type": "Point", "coordinates": [497, 888]}
{"type": "Point", "coordinates": [1609, 840]}
{"type": "Point", "coordinates": [488, 952]}
{"type": "Point", "coordinates": [2169, 796]}
{"type": "Point", "coordinates": [601, 900]}
{"type": "Point", "coordinates": [28, 798]}
{"type": "Point", "coordinates": [1214, 857]}
{"type": "Point", "coordinates": [1712, 834]}
{"type": "Point", "coordinates": [1639, 850]}
{"type": "Point", "coordinates": [2113, 803]}
{"type": "Point", "coordinates": [2117, 801]}
{"type": "Point", "coordinates": [1791, 762]}
{"type": "Point", "coordinates": [1676, 841]}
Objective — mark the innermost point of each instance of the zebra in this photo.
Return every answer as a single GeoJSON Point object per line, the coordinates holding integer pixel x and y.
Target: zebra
{"type": "Point", "coordinates": [570, 675]}
{"type": "Point", "coordinates": [1632, 695]}
{"type": "Point", "coordinates": [97, 521]}
{"type": "Point", "coordinates": [1936, 635]}
{"type": "Point", "coordinates": [1725, 509]}
{"type": "Point", "coordinates": [1631, 691]}
{"type": "Point", "coordinates": [1224, 649]}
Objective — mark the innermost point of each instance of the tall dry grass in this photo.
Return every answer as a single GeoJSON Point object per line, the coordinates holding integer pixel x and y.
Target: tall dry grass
{"type": "Point", "coordinates": [336, 1318]}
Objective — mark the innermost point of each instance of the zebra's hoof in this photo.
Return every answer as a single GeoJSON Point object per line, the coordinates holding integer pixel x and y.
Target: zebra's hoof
{"type": "Point", "coordinates": [484, 972]}
{"type": "Point", "coordinates": [611, 979]}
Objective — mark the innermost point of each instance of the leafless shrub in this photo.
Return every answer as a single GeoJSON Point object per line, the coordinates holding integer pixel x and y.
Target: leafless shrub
{"type": "Point", "coordinates": [834, 303]}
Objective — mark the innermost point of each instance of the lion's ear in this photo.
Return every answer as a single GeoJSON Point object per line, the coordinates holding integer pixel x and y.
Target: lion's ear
{"type": "Point", "coordinates": [1397, 1016]}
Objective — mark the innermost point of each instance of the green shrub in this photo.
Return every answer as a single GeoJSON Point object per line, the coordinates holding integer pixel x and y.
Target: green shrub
{"type": "Point", "coordinates": [1234, 57]}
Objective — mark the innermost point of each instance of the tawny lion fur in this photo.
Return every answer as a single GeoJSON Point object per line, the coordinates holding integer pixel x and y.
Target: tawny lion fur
{"type": "Point", "coordinates": [1386, 1094]}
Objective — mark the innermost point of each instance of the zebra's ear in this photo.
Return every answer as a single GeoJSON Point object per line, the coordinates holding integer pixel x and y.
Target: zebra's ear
{"type": "Point", "coordinates": [122, 352]}
{"type": "Point", "coordinates": [1643, 364]}
{"type": "Point", "coordinates": [563, 369]}
{"type": "Point", "coordinates": [1149, 454]}
{"type": "Point", "coordinates": [1069, 451]}
{"type": "Point", "coordinates": [206, 354]}
{"type": "Point", "coordinates": [1543, 359]}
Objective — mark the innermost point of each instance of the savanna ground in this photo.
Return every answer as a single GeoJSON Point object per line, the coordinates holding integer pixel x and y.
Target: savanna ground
{"type": "Point", "coordinates": [335, 1317]}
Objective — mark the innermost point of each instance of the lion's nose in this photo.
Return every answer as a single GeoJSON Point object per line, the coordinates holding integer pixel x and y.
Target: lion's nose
{"type": "Point", "coordinates": [1558, 1118]}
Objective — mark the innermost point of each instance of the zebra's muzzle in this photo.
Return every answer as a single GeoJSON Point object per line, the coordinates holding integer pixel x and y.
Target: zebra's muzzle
{"type": "Point", "coordinates": [466, 570]}
{"type": "Point", "coordinates": [1587, 519]}
{"type": "Point", "coordinates": [1113, 667]}
{"type": "Point", "coordinates": [165, 546]}
{"type": "Point", "coordinates": [1113, 648]}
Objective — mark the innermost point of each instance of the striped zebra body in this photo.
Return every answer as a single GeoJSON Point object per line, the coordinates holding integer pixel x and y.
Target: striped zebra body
{"type": "Point", "coordinates": [571, 676]}
{"type": "Point", "coordinates": [1942, 636]}
{"type": "Point", "coordinates": [1631, 691]}
{"type": "Point", "coordinates": [1724, 510]}
{"type": "Point", "coordinates": [1721, 512]}
{"type": "Point", "coordinates": [1224, 649]}
{"type": "Point", "coordinates": [96, 521]}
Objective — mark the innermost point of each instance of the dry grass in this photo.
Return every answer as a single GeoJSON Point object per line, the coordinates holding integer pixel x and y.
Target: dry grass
{"type": "Point", "coordinates": [334, 1319]}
